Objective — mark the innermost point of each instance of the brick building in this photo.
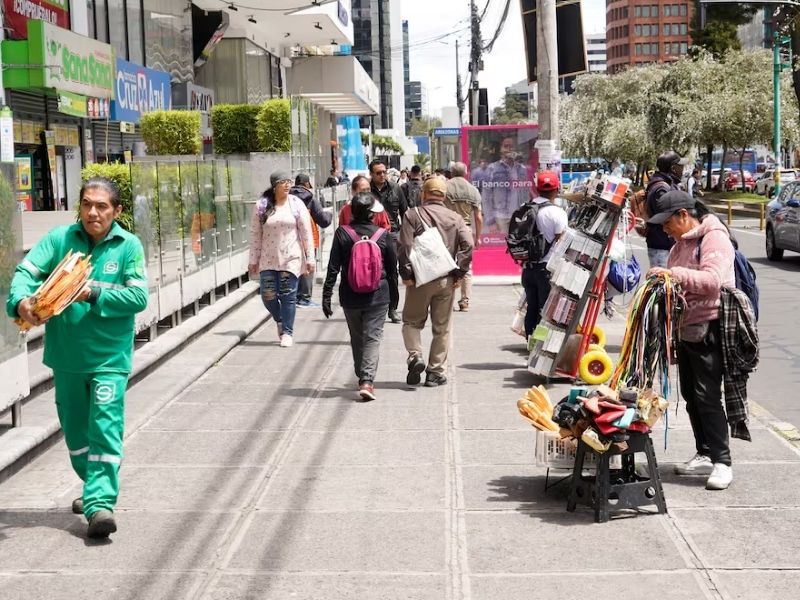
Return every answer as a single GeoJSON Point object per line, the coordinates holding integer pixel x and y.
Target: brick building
{"type": "Point", "coordinates": [643, 31]}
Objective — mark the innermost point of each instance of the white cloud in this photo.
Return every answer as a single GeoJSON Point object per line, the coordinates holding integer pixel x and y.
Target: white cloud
{"type": "Point", "coordinates": [433, 63]}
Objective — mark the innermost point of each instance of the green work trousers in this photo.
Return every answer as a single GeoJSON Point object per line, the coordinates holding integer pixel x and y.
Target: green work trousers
{"type": "Point", "coordinates": [91, 409]}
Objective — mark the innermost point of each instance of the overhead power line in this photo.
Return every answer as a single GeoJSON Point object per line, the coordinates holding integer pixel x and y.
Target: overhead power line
{"type": "Point", "coordinates": [488, 47]}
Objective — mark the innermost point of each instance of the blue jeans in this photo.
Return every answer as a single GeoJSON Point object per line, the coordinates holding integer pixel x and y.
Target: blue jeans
{"type": "Point", "coordinates": [658, 258]}
{"type": "Point", "coordinates": [279, 295]}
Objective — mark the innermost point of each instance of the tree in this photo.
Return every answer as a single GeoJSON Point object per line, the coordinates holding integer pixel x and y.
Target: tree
{"type": "Point", "coordinates": [423, 125]}
{"type": "Point", "coordinates": [722, 21]}
{"type": "Point", "coordinates": [512, 109]}
{"type": "Point", "coordinates": [423, 161]}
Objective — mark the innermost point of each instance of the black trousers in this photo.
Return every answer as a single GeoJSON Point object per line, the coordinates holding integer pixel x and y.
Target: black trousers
{"type": "Point", "coordinates": [536, 281]}
{"type": "Point", "coordinates": [700, 369]}
{"type": "Point", "coordinates": [305, 286]}
{"type": "Point", "coordinates": [394, 289]}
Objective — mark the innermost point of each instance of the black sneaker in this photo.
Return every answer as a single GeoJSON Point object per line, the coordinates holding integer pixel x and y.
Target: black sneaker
{"type": "Point", "coordinates": [77, 505]}
{"type": "Point", "coordinates": [434, 380]}
{"type": "Point", "coordinates": [415, 369]}
{"type": "Point", "coordinates": [101, 524]}
{"type": "Point", "coordinates": [394, 317]}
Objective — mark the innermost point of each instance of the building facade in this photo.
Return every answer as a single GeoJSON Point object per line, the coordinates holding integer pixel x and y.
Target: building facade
{"type": "Point", "coordinates": [596, 52]}
{"type": "Point", "coordinates": [757, 33]}
{"type": "Point", "coordinates": [416, 106]}
{"type": "Point", "coordinates": [640, 32]}
{"type": "Point", "coordinates": [377, 40]}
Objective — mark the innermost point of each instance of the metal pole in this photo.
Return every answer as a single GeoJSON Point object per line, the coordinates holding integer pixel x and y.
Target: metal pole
{"type": "Point", "coordinates": [547, 69]}
{"type": "Point", "coordinates": [776, 108]}
{"type": "Point", "coordinates": [474, 94]}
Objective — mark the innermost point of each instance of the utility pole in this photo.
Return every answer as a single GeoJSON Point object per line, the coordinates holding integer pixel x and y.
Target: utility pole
{"type": "Point", "coordinates": [547, 70]}
{"type": "Point", "coordinates": [459, 90]}
{"type": "Point", "coordinates": [475, 63]}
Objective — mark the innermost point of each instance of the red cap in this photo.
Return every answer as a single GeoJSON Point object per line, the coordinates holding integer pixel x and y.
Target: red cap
{"type": "Point", "coordinates": [547, 181]}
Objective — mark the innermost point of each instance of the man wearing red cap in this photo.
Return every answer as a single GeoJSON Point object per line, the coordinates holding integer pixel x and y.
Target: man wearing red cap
{"type": "Point", "coordinates": [551, 223]}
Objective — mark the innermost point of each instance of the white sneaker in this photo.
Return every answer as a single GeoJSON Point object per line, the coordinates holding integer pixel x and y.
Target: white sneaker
{"type": "Point", "coordinates": [720, 477]}
{"type": "Point", "coordinates": [286, 341]}
{"type": "Point", "coordinates": [698, 465]}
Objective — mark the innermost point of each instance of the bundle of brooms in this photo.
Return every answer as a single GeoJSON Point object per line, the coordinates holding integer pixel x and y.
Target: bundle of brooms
{"type": "Point", "coordinates": [537, 409]}
{"type": "Point", "coordinates": [60, 289]}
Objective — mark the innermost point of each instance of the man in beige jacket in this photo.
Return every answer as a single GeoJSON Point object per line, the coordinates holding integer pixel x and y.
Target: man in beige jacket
{"type": "Point", "coordinates": [435, 297]}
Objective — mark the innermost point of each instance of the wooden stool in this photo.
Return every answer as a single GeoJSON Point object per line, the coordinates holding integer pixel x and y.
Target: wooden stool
{"type": "Point", "coordinates": [628, 490]}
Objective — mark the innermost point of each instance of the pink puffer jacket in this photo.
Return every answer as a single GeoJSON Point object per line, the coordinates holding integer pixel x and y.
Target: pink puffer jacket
{"type": "Point", "coordinates": [702, 279]}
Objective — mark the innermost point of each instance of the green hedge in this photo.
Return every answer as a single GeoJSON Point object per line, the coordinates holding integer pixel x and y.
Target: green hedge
{"type": "Point", "coordinates": [171, 132]}
{"type": "Point", "coordinates": [119, 174]}
{"type": "Point", "coordinates": [235, 128]}
{"type": "Point", "coordinates": [275, 126]}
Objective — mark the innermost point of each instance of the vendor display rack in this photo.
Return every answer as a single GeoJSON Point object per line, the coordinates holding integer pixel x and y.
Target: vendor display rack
{"type": "Point", "coordinates": [578, 266]}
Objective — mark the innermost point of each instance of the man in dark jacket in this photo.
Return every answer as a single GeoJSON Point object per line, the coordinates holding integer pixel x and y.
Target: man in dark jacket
{"type": "Point", "coordinates": [391, 196]}
{"type": "Point", "coordinates": [669, 171]}
{"type": "Point", "coordinates": [412, 189]}
{"type": "Point", "coordinates": [435, 298]}
{"type": "Point", "coordinates": [320, 218]}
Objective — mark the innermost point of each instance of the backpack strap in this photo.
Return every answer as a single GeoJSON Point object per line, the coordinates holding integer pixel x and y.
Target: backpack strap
{"type": "Point", "coordinates": [352, 233]}
{"type": "Point", "coordinates": [424, 224]}
{"type": "Point", "coordinates": [377, 235]}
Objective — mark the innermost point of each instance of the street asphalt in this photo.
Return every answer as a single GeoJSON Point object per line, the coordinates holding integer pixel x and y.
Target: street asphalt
{"type": "Point", "coordinates": [265, 478]}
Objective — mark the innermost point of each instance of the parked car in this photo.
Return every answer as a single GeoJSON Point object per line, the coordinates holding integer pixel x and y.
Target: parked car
{"type": "Point", "coordinates": [732, 181]}
{"type": "Point", "coordinates": [714, 177]}
{"type": "Point", "coordinates": [766, 184]}
{"type": "Point", "coordinates": [783, 221]}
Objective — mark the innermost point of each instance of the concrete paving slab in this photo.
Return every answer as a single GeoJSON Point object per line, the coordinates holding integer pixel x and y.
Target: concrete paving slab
{"type": "Point", "coordinates": [551, 542]}
{"type": "Point", "coordinates": [678, 585]}
{"type": "Point", "coordinates": [29, 489]}
{"type": "Point", "coordinates": [349, 448]}
{"type": "Point", "coordinates": [206, 448]}
{"type": "Point", "coordinates": [259, 392]}
{"type": "Point", "coordinates": [144, 542]}
{"type": "Point", "coordinates": [380, 415]}
{"type": "Point", "coordinates": [334, 541]}
{"type": "Point", "coordinates": [512, 487]}
{"type": "Point", "coordinates": [197, 416]}
{"type": "Point", "coordinates": [421, 487]}
{"type": "Point", "coordinates": [765, 447]}
{"type": "Point", "coordinates": [497, 447]}
{"type": "Point", "coordinates": [772, 485]}
{"type": "Point", "coordinates": [726, 539]}
{"type": "Point", "coordinates": [489, 416]}
{"type": "Point", "coordinates": [758, 585]}
{"type": "Point", "coordinates": [330, 586]}
{"type": "Point", "coordinates": [185, 488]}
{"type": "Point", "coordinates": [84, 586]}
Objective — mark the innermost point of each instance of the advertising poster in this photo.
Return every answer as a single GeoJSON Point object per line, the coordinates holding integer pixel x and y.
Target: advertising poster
{"type": "Point", "coordinates": [139, 90]}
{"type": "Point", "coordinates": [50, 140]}
{"type": "Point", "coordinates": [24, 173]}
{"type": "Point", "coordinates": [28, 136]}
{"type": "Point", "coordinates": [19, 12]}
{"type": "Point", "coordinates": [502, 161]}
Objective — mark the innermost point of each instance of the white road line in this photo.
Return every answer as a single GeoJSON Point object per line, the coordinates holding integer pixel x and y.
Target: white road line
{"type": "Point", "coordinates": [756, 233]}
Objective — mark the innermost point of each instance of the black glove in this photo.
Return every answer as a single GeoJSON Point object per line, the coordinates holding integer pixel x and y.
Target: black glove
{"type": "Point", "coordinates": [326, 308]}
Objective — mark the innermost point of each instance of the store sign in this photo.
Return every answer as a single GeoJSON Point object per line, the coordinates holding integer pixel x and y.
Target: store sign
{"type": "Point", "coordinates": [342, 12]}
{"type": "Point", "coordinates": [98, 108]}
{"type": "Point", "coordinates": [72, 104]}
{"type": "Point", "coordinates": [139, 90]}
{"type": "Point", "coordinates": [71, 62]}
{"type": "Point", "coordinates": [446, 131]}
{"type": "Point", "coordinates": [19, 12]}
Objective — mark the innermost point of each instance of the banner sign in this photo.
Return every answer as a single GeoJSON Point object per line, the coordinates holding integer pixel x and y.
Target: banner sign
{"type": "Point", "coordinates": [139, 90]}
{"type": "Point", "coordinates": [19, 12]}
{"type": "Point", "coordinates": [446, 131]}
{"type": "Point", "coordinates": [72, 104]}
{"type": "Point", "coordinates": [70, 62]}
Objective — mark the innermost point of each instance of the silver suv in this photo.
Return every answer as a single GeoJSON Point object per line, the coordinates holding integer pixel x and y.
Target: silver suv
{"type": "Point", "coordinates": [783, 222]}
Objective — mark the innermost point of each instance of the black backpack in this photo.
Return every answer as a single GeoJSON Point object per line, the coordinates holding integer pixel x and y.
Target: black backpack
{"type": "Point", "coordinates": [525, 243]}
{"type": "Point", "coordinates": [412, 192]}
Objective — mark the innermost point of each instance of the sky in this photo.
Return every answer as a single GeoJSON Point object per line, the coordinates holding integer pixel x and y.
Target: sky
{"type": "Point", "coordinates": [433, 62]}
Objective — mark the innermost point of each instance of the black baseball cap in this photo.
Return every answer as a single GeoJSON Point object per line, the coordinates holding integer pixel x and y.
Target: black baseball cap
{"type": "Point", "coordinates": [669, 204]}
{"type": "Point", "coordinates": [302, 179]}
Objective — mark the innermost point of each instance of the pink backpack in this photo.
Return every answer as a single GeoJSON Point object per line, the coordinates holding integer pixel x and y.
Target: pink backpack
{"type": "Point", "coordinates": [366, 262]}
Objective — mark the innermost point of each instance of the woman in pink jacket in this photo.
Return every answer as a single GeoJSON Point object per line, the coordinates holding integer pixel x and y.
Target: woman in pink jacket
{"type": "Point", "coordinates": [701, 262]}
{"type": "Point", "coordinates": [281, 249]}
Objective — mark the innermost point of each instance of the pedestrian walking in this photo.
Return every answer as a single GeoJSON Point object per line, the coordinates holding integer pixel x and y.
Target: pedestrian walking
{"type": "Point", "coordinates": [380, 218]}
{"type": "Point", "coordinates": [465, 199]}
{"type": "Point", "coordinates": [536, 225]}
{"type": "Point", "coordinates": [702, 263]}
{"type": "Point", "coordinates": [89, 346]}
{"type": "Point", "coordinates": [391, 197]}
{"type": "Point", "coordinates": [693, 186]}
{"type": "Point", "coordinates": [320, 218]}
{"type": "Point", "coordinates": [412, 188]}
{"type": "Point", "coordinates": [669, 171]}
{"type": "Point", "coordinates": [435, 298]}
{"type": "Point", "coordinates": [281, 250]}
{"type": "Point", "coordinates": [366, 256]}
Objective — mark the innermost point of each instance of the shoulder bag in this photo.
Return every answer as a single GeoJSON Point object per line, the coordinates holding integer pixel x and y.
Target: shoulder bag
{"type": "Point", "coordinates": [430, 258]}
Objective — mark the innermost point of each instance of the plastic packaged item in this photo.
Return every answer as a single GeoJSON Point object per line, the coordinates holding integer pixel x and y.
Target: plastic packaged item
{"type": "Point", "coordinates": [591, 438]}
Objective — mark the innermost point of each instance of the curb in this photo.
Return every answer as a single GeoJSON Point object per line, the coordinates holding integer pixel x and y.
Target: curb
{"type": "Point", "coordinates": [22, 444]}
{"type": "Point", "coordinates": [785, 430]}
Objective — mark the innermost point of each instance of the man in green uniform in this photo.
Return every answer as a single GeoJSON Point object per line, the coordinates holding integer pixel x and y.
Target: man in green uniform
{"type": "Point", "coordinates": [89, 346]}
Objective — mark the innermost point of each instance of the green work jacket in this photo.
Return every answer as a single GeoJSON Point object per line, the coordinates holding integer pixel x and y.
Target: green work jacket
{"type": "Point", "coordinates": [97, 335]}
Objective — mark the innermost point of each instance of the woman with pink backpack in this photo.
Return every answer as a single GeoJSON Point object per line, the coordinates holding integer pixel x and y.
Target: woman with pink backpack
{"type": "Point", "coordinates": [366, 256]}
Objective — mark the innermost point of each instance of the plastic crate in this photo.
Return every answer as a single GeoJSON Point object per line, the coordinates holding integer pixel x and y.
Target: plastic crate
{"type": "Point", "coordinates": [554, 452]}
